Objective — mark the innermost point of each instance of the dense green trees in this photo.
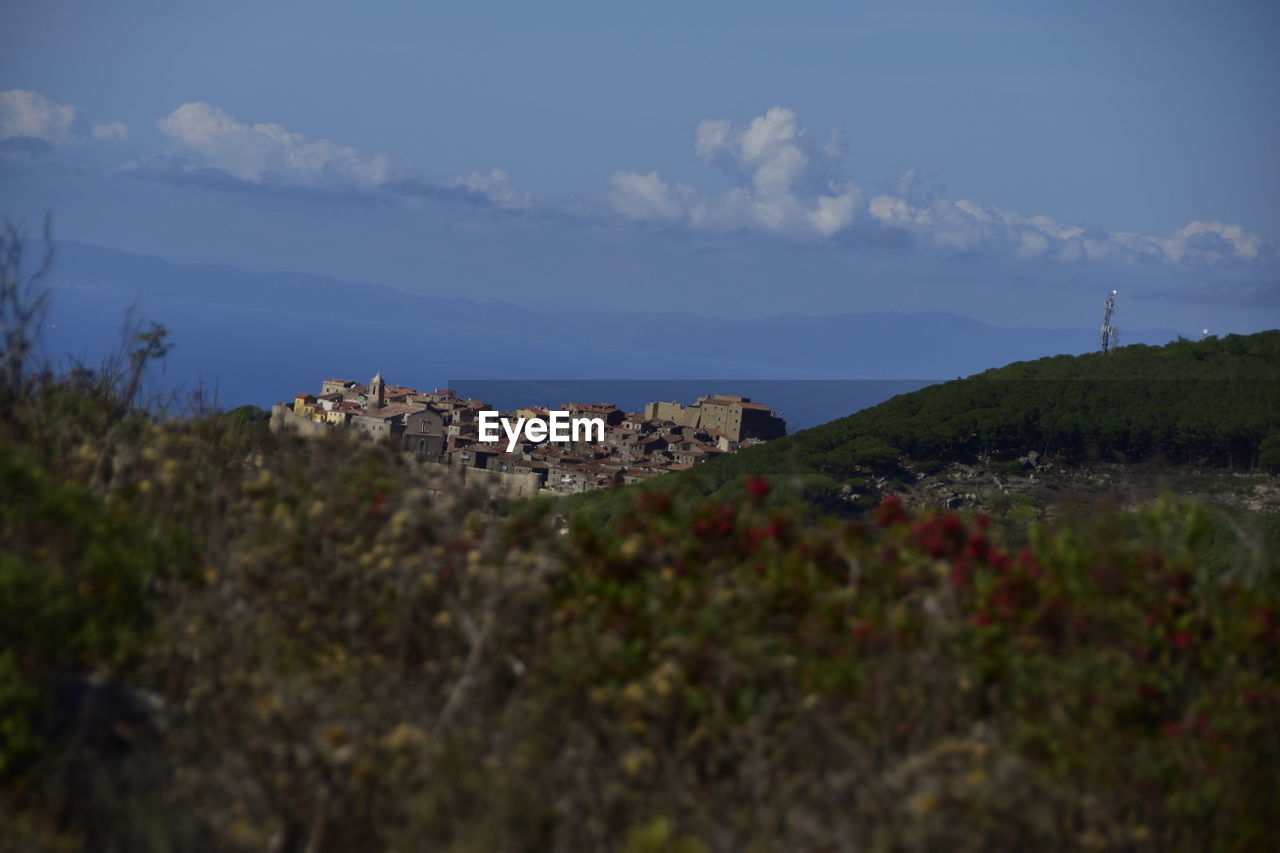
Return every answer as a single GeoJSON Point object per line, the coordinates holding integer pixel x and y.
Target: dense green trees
{"type": "Point", "coordinates": [1211, 402]}
{"type": "Point", "coordinates": [1269, 452]}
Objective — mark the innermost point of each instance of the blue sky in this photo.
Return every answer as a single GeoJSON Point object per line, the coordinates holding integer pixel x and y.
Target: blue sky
{"type": "Point", "coordinates": [1005, 160]}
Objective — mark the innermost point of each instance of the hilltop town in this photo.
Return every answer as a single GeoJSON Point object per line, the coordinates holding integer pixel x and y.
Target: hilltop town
{"type": "Point", "coordinates": [441, 428]}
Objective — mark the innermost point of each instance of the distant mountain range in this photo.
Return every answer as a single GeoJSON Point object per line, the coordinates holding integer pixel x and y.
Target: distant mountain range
{"type": "Point", "coordinates": [265, 336]}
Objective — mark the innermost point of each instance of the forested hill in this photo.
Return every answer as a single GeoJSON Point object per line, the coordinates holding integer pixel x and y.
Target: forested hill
{"type": "Point", "coordinates": [1211, 402]}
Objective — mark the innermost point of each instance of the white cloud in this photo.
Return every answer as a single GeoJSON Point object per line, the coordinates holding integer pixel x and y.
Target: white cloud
{"type": "Point", "coordinates": [648, 198]}
{"type": "Point", "coordinates": [496, 187]}
{"type": "Point", "coordinates": [31, 114]}
{"type": "Point", "coordinates": [270, 154]}
{"type": "Point", "coordinates": [778, 191]}
{"type": "Point", "coordinates": [1214, 238]}
{"type": "Point", "coordinates": [966, 226]}
{"type": "Point", "coordinates": [255, 153]}
{"type": "Point", "coordinates": [26, 113]}
{"type": "Point", "coordinates": [957, 226]}
{"type": "Point", "coordinates": [114, 131]}
{"type": "Point", "coordinates": [770, 158]}
{"type": "Point", "coordinates": [833, 212]}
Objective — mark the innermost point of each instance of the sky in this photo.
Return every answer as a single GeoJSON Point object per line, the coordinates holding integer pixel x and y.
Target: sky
{"type": "Point", "coordinates": [1006, 161]}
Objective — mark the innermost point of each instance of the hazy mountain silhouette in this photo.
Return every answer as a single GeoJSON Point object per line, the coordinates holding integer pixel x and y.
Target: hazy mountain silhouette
{"type": "Point", "coordinates": [265, 336]}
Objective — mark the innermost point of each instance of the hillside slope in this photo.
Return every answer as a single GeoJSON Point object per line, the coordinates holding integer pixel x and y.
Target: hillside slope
{"type": "Point", "coordinates": [1211, 403]}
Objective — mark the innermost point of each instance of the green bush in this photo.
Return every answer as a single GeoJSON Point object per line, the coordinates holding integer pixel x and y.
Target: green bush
{"type": "Point", "coordinates": [929, 467]}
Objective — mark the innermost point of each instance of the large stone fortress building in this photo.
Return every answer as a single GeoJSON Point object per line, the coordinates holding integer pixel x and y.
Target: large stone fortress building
{"type": "Point", "coordinates": [736, 417]}
{"type": "Point", "coordinates": [440, 427]}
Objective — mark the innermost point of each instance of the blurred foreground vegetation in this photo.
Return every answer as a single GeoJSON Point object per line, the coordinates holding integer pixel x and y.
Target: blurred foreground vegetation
{"type": "Point", "coordinates": [217, 638]}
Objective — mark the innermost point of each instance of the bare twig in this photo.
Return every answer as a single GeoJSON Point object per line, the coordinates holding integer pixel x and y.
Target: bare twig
{"type": "Point", "coordinates": [24, 303]}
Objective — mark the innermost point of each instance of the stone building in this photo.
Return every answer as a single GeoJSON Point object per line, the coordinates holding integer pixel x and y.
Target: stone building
{"type": "Point", "coordinates": [736, 418]}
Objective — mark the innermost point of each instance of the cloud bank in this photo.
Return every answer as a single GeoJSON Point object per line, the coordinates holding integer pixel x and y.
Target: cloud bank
{"type": "Point", "coordinates": [268, 155]}
{"type": "Point", "coordinates": [964, 226]}
{"type": "Point", "coordinates": [783, 186]}
{"type": "Point", "coordinates": [212, 149]}
{"type": "Point", "coordinates": [785, 182]}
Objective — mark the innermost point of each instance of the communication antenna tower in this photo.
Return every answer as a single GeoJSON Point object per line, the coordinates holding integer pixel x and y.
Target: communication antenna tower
{"type": "Point", "coordinates": [1204, 334]}
{"type": "Point", "coordinates": [1110, 334]}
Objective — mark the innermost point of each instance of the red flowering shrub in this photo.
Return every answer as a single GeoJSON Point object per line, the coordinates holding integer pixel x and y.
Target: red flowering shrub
{"type": "Point", "coordinates": [931, 628]}
{"type": "Point", "coordinates": [757, 486]}
{"type": "Point", "coordinates": [890, 512]}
